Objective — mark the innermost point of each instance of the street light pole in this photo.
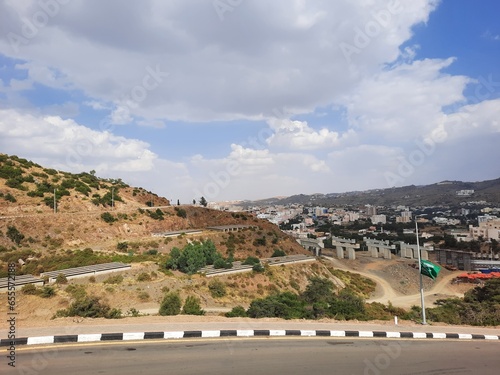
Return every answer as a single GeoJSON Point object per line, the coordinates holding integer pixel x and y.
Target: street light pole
{"type": "Point", "coordinates": [420, 275]}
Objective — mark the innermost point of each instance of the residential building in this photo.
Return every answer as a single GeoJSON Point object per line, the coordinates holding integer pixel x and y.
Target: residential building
{"type": "Point", "coordinates": [487, 230]}
{"type": "Point", "coordinates": [376, 219]}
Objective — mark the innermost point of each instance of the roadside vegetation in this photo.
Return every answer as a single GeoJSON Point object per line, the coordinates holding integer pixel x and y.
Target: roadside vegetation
{"type": "Point", "coordinates": [479, 307]}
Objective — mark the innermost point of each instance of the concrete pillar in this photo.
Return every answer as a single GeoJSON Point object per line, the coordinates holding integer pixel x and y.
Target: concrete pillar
{"type": "Point", "coordinates": [387, 254]}
{"type": "Point", "coordinates": [340, 252]}
{"type": "Point", "coordinates": [425, 254]}
{"type": "Point", "coordinates": [351, 254]}
{"type": "Point", "coordinates": [373, 251]}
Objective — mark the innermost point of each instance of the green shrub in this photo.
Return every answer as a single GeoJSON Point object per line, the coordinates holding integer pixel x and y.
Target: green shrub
{"type": "Point", "coordinates": [217, 288]}
{"type": "Point", "coordinates": [108, 218]}
{"type": "Point", "coordinates": [260, 241]}
{"type": "Point", "coordinates": [258, 268]}
{"type": "Point", "coordinates": [286, 305]}
{"type": "Point", "coordinates": [10, 198]}
{"type": "Point", "coordinates": [278, 253]}
{"type": "Point", "coordinates": [192, 306]}
{"type": "Point", "coordinates": [90, 307]}
{"type": "Point", "coordinates": [47, 291]}
{"type": "Point", "coordinates": [181, 212]}
{"type": "Point", "coordinates": [133, 312]}
{"type": "Point", "coordinates": [29, 289]}
{"type": "Point", "coordinates": [61, 279]}
{"type": "Point", "coordinates": [14, 235]}
{"type": "Point", "coordinates": [171, 304]}
{"type": "Point", "coordinates": [144, 296]}
{"type": "Point", "coordinates": [76, 291]}
{"type": "Point", "coordinates": [251, 261]}
{"type": "Point", "coordinates": [122, 246]}
{"type": "Point", "coordinates": [116, 279]}
{"type": "Point", "coordinates": [237, 311]}
{"type": "Point", "coordinates": [144, 276]}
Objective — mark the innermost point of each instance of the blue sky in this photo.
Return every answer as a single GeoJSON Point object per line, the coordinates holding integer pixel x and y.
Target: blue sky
{"type": "Point", "coordinates": [254, 98]}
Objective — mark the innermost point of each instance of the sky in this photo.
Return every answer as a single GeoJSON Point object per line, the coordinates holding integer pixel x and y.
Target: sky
{"type": "Point", "coordinates": [250, 99]}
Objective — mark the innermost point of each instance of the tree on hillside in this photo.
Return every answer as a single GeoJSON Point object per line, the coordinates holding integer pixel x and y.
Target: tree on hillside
{"type": "Point", "coordinates": [203, 202]}
{"type": "Point", "coordinates": [14, 235]}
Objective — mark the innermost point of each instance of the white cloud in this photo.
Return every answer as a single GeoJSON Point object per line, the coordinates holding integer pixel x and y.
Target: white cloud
{"type": "Point", "coordinates": [70, 146]}
{"type": "Point", "coordinates": [217, 70]}
{"type": "Point", "coordinates": [297, 135]}
{"type": "Point", "coordinates": [404, 102]}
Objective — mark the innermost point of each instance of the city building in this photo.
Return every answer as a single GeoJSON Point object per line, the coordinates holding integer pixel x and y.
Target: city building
{"type": "Point", "coordinates": [376, 219]}
{"type": "Point", "coordinates": [488, 230]}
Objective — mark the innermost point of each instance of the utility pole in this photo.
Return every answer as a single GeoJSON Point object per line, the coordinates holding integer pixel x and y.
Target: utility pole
{"type": "Point", "coordinates": [112, 199]}
{"type": "Point", "coordinates": [422, 303]}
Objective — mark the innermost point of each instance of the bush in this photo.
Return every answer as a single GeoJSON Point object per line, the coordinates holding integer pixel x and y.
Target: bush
{"type": "Point", "coordinates": [47, 291]}
{"type": "Point", "coordinates": [144, 276]}
{"type": "Point", "coordinates": [108, 218]}
{"type": "Point", "coordinates": [257, 268]}
{"type": "Point", "coordinates": [14, 235]}
{"type": "Point", "coordinates": [76, 291]}
{"type": "Point", "coordinates": [278, 253]}
{"type": "Point", "coordinates": [286, 305]}
{"type": "Point", "coordinates": [237, 311]}
{"type": "Point", "coordinates": [144, 296]}
{"type": "Point", "coordinates": [192, 306]}
{"type": "Point", "coordinates": [217, 288]}
{"type": "Point", "coordinates": [117, 279]}
{"type": "Point", "coordinates": [61, 279]}
{"type": "Point", "coordinates": [122, 246]}
{"type": "Point", "coordinates": [90, 307]}
{"type": "Point", "coordinates": [10, 198]}
{"type": "Point", "coordinates": [171, 304]}
{"type": "Point", "coordinates": [29, 289]}
{"type": "Point", "coordinates": [260, 241]}
{"type": "Point", "coordinates": [133, 312]}
{"type": "Point", "coordinates": [181, 212]}
{"type": "Point", "coordinates": [251, 261]}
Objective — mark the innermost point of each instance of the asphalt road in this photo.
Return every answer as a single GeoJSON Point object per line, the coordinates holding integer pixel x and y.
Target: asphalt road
{"type": "Point", "coordinates": [262, 356]}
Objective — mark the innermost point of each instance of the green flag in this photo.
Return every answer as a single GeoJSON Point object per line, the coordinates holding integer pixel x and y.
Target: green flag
{"type": "Point", "coordinates": [429, 269]}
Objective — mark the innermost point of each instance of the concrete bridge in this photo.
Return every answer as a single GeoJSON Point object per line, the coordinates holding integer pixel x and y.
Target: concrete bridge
{"type": "Point", "coordinates": [344, 246]}
{"type": "Point", "coordinates": [314, 245]}
{"type": "Point", "coordinates": [379, 249]}
{"type": "Point", "coordinates": [411, 251]}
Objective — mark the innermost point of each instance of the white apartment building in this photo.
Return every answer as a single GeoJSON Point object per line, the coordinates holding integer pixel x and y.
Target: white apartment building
{"type": "Point", "coordinates": [487, 229]}
{"type": "Point", "coordinates": [379, 219]}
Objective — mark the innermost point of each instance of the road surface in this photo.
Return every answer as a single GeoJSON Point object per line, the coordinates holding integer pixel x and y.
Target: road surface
{"type": "Point", "coordinates": [263, 356]}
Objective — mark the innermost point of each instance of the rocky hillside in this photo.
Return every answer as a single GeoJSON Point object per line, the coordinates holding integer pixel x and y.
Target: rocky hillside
{"type": "Point", "coordinates": [102, 214]}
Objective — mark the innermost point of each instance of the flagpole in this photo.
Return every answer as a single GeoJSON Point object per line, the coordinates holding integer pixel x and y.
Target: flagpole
{"type": "Point", "coordinates": [420, 275]}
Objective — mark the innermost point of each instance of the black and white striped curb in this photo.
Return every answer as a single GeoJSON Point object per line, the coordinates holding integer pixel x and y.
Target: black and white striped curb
{"type": "Point", "coordinates": [237, 333]}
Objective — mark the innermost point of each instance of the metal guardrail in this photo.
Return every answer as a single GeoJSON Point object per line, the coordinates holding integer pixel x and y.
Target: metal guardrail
{"type": "Point", "coordinates": [19, 281]}
{"type": "Point", "coordinates": [239, 267]}
{"type": "Point", "coordinates": [68, 272]}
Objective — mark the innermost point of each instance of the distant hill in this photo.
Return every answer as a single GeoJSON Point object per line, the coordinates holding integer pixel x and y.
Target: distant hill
{"type": "Point", "coordinates": [438, 194]}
